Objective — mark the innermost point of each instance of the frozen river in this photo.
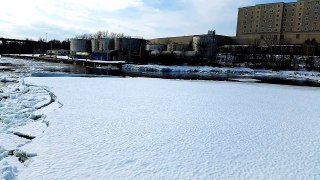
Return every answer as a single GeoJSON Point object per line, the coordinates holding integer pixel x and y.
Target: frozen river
{"type": "Point", "coordinates": [140, 128]}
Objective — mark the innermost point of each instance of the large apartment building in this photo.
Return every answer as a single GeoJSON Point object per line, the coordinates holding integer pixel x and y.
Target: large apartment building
{"type": "Point", "coordinates": [280, 23]}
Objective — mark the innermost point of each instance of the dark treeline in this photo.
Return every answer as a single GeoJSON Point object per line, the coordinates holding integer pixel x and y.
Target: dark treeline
{"type": "Point", "coordinates": [8, 46]}
{"type": "Point", "coordinates": [102, 34]}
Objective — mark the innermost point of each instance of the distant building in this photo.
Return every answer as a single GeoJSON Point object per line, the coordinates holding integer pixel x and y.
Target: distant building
{"type": "Point", "coordinates": [279, 23]}
{"type": "Point", "coordinates": [202, 45]}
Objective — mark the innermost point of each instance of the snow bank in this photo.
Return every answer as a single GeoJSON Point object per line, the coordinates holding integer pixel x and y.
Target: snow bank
{"type": "Point", "coordinates": [23, 108]}
{"type": "Point", "coordinates": [237, 72]}
{"type": "Point", "coordinates": [136, 128]}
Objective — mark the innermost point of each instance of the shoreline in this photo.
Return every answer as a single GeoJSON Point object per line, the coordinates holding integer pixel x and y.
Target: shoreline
{"type": "Point", "coordinates": [236, 74]}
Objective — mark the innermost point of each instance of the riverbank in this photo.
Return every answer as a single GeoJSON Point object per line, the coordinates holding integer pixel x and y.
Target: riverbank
{"type": "Point", "coordinates": [297, 78]}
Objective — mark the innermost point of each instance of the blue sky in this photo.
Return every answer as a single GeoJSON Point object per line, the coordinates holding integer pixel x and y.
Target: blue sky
{"type": "Point", "coordinates": [62, 19]}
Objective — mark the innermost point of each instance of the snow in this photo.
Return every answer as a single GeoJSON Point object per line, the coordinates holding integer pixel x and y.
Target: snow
{"type": "Point", "coordinates": [137, 128]}
{"type": "Point", "coordinates": [23, 109]}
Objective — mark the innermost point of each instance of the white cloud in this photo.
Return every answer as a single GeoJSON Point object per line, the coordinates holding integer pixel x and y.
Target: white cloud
{"type": "Point", "coordinates": [65, 18]}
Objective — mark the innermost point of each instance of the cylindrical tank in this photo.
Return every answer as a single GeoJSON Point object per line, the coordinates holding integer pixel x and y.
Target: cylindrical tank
{"type": "Point", "coordinates": [132, 44]}
{"type": "Point", "coordinates": [200, 42]}
{"type": "Point", "coordinates": [80, 45]}
{"type": "Point", "coordinates": [105, 44]}
{"type": "Point", "coordinates": [196, 42]}
{"type": "Point", "coordinates": [204, 45]}
{"type": "Point", "coordinates": [94, 45]}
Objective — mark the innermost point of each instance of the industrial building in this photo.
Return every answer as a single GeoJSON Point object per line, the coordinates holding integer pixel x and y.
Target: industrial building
{"type": "Point", "coordinates": [279, 23]}
{"type": "Point", "coordinates": [203, 45]}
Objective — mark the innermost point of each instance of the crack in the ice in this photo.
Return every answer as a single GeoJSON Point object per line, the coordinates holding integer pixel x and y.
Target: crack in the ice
{"type": "Point", "coordinates": [29, 137]}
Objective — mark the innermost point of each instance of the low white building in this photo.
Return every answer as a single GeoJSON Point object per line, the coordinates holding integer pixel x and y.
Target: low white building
{"type": "Point", "coordinates": [58, 52]}
{"type": "Point", "coordinates": [225, 59]}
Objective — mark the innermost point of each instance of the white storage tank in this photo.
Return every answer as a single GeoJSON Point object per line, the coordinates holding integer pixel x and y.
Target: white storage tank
{"type": "Point", "coordinates": [80, 45]}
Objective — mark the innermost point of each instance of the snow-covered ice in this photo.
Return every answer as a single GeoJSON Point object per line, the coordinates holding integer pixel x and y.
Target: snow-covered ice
{"type": "Point", "coordinates": [137, 128]}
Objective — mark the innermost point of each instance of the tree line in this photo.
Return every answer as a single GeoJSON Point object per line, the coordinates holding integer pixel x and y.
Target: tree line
{"type": "Point", "coordinates": [101, 35]}
{"type": "Point", "coordinates": [29, 46]}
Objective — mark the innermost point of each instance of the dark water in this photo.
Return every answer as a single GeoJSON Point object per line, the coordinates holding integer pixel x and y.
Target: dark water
{"type": "Point", "coordinates": [259, 79]}
{"type": "Point", "coordinates": [183, 76]}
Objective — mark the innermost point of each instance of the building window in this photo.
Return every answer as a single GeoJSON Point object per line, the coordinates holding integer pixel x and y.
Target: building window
{"type": "Point", "coordinates": [297, 36]}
